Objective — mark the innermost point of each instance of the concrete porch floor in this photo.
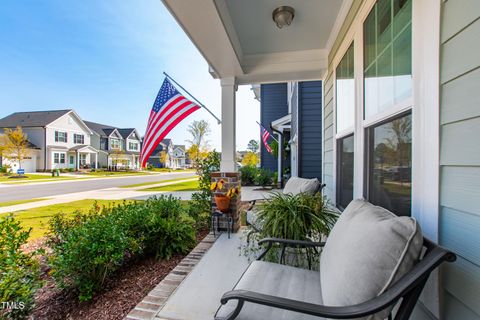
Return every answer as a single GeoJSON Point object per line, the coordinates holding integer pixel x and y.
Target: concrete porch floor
{"type": "Point", "coordinates": [198, 296]}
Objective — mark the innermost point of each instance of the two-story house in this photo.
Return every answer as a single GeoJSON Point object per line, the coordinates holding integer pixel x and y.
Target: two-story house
{"type": "Point", "coordinates": [61, 136]}
{"type": "Point", "coordinates": [179, 156]}
{"type": "Point", "coordinates": [166, 145]}
{"type": "Point", "coordinates": [118, 147]}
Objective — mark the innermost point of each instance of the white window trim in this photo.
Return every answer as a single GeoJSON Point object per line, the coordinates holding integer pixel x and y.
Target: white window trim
{"type": "Point", "coordinates": [424, 104]}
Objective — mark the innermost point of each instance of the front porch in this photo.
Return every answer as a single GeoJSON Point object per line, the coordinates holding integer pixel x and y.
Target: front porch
{"type": "Point", "coordinates": [395, 113]}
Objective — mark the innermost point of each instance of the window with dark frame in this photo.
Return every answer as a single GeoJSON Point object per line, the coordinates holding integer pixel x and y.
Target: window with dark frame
{"type": "Point", "coordinates": [62, 157]}
{"type": "Point", "coordinates": [60, 136]}
{"type": "Point", "coordinates": [78, 138]}
{"type": "Point", "coordinates": [389, 164]}
{"type": "Point", "coordinates": [56, 158]}
{"type": "Point", "coordinates": [345, 163]}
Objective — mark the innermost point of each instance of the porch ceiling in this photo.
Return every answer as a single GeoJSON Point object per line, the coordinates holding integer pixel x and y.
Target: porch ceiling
{"type": "Point", "coordinates": [239, 39]}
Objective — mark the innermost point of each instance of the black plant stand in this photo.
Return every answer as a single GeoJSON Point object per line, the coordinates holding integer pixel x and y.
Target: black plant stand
{"type": "Point", "coordinates": [216, 215]}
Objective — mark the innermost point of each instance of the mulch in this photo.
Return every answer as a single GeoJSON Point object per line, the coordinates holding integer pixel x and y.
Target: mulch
{"type": "Point", "coordinates": [120, 294]}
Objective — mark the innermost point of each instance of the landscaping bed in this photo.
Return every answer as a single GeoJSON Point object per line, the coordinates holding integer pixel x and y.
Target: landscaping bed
{"type": "Point", "coordinates": [120, 295]}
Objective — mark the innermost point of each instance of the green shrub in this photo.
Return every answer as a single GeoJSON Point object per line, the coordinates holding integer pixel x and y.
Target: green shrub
{"type": "Point", "coordinates": [199, 209]}
{"type": "Point", "coordinates": [5, 168]}
{"type": "Point", "coordinates": [90, 247]}
{"type": "Point", "coordinates": [248, 174]}
{"type": "Point", "coordinates": [264, 177]}
{"type": "Point", "coordinates": [20, 273]}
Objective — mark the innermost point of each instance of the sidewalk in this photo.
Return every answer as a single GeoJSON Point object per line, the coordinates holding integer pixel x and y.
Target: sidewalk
{"type": "Point", "coordinates": [103, 194]}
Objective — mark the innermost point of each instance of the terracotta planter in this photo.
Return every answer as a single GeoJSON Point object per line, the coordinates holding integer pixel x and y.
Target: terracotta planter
{"type": "Point", "coordinates": [222, 202]}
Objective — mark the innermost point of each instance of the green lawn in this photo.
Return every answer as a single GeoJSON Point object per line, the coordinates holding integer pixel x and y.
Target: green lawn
{"type": "Point", "coordinates": [38, 218]}
{"type": "Point", "coordinates": [116, 173]}
{"type": "Point", "coordinates": [156, 182]}
{"type": "Point", "coordinates": [12, 203]}
{"type": "Point", "coordinates": [31, 177]}
{"type": "Point", "coordinates": [181, 186]}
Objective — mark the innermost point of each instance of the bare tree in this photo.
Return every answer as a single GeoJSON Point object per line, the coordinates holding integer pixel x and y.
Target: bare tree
{"type": "Point", "coordinates": [199, 131]}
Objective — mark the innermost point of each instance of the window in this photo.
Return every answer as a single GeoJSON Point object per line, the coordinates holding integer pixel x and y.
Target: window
{"type": "Point", "coordinates": [58, 157]}
{"type": "Point", "coordinates": [345, 91]}
{"type": "Point", "coordinates": [133, 146]}
{"type": "Point", "coordinates": [345, 172]}
{"type": "Point", "coordinates": [387, 55]}
{"type": "Point", "coordinates": [115, 144]}
{"type": "Point", "coordinates": [390, 165]}
{"type": "Point", "coordinates": [79, 138]}
{"type": "Point", "coordinates": [60, 136]}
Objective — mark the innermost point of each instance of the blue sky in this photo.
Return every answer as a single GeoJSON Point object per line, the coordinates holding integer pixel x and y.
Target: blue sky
{"type": "Point", "coordinates": [105, 60]}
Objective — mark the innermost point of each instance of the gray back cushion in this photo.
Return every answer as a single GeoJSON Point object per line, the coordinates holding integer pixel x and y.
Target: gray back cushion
{"type": "Point", "coordinates": [367, 251]}
{"type": "Point", "coordinates": [296, 185]}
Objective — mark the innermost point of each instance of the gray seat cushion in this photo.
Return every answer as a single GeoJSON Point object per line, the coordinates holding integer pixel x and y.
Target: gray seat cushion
{"type": "Point", "coordinates": [296, 185]}
{"type": "Point", "coordinates": [367, 251]}
{"type": "Point", "coordinates": [280, 281]}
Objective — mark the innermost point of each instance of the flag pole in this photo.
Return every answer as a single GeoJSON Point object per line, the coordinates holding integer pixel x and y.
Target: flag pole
{"type": "Point", "coordinates": [266, 130]}
{"type": "Point", "coordinates": [199, 103]}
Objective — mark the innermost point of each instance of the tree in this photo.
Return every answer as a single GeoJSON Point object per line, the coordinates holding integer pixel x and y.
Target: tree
{"type": "Point", "coordinates": [253, 146]}
{"type": "Point", "coordinates": [163, 158]}
{"type": "Point", "coordinates": [199, 131]}
{"type": "Point", "coordinates": [14, 145]}
{"type": "Point", "coordinates": [117, 158]}
{"type": "Point", "coordinates": [250, 159]}
{"type": "Point", "coordinates": [198, 149]}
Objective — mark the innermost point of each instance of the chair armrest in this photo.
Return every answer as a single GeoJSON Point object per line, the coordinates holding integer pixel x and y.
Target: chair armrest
{"type": "Point", "coordinates": [292, 243]}
{"type": "Point", "coordinates": [412, 281]}
{"type": "Point", "coordinates": [287, 243]}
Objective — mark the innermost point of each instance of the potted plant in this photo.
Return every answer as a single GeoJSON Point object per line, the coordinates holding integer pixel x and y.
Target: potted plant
{"type": "Point", "coordinates": [222, 200]}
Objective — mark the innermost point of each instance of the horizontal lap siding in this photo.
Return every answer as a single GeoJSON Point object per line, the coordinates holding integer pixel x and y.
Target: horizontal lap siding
{"type": "Point", "coordinates": [310, 128]}
{"type": "Point", "coordinates": [274, 105]}
{"type": "Point", "coordinates": [328, 169]}
{"type": "Point", "coordinates": [460, 157]}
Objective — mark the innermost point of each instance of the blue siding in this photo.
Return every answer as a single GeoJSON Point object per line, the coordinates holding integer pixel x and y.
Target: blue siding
{"type": "Point", "coordinates": [273, 106]}
{"type": "Point", "coordinates": [310, 129]}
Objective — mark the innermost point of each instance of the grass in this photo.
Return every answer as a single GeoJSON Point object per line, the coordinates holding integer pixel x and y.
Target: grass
{"type": "Point", "coordinates": [116, 173]}
{"type": "Point", "coordinates": [181, 186]}
{"type": "Point", "coordinates": [15, 202]}
{"type": "Point", "coordinates": [37, 218]}
{"type": "Point", "coordinates": [156, 182]}
{"type": "Point", "coordinates": [31, 177]}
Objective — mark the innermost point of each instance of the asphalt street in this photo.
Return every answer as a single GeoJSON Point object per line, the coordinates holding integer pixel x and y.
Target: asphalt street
{"type": "Point", "coordinates": [36, 190]}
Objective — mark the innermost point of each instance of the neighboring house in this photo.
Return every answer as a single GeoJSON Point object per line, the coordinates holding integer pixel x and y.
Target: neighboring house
{"type": "Point", "coordinates": [292, 112]}
{"type": "Point", "coordinates": [61, 136]}
{"type": "Point", "coordinates": [118, 148]}
{"type": "Point", "coordinates": [29, 162]}
{"type": "Point", "coordinates": [179, 156]}
{"type": "Point", "coordinates": [400, 117]}
{"type": "Point", "coordinates": [166, 145]}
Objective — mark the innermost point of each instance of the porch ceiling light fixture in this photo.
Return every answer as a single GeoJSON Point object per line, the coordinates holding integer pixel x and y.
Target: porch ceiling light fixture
{"type": "Point", "coordinates": [283, 16]}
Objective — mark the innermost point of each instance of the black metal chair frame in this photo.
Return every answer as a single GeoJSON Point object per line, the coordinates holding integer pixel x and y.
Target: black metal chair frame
{"type": "Point", "coordinates": [408, 288]}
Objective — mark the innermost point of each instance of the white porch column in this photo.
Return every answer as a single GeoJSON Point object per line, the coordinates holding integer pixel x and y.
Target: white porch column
{"type": "Point", "coordinates": [96, 161]}
{"type": "Point", "coordinates": [228, 125]}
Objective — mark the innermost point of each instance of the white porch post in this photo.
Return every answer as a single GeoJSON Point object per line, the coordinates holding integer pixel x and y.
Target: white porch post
{"type": "Point", "coordinates": [228, 125]}
{"type": "Point", "coordinates": [279, 161]}
{"type": "Point", "coordinates": [96, 161]}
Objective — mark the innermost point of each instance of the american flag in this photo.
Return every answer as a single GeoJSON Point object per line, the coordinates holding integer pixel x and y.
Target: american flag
{"type": "Point", "coordinates": [169, 109]}
{"type": "Point", "coordinates": [265, 136]}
